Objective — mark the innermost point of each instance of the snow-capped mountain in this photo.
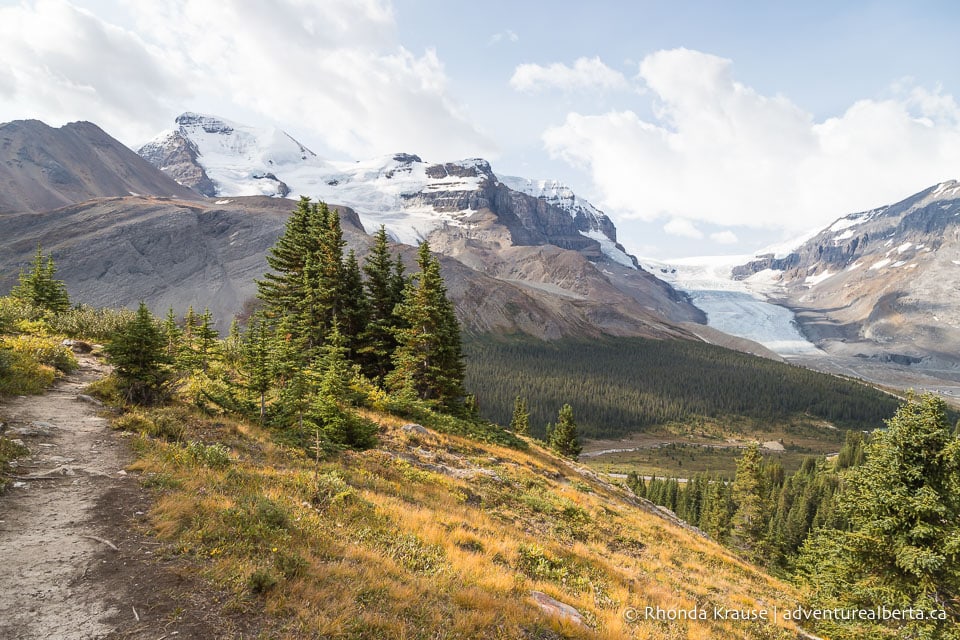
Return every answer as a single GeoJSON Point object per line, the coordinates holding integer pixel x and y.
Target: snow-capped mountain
{"type": "Point", "coordinates": [411, 197]}
{"type": "Point", "coordinates": [883, 284]}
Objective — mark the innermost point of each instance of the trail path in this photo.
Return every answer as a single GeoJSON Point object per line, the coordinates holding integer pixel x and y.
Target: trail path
{"type": "Point", "coordinates": [78, 560]}
{"type": "Point", "coordinates": [48, 532]}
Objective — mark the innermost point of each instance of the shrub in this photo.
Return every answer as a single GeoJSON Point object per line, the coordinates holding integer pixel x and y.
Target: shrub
{"type": "Point", "coordinates": [89, 322]}
{"type": "Point", "coordinates": [214, 456]}
{"type": "Point", "coordinates": [22, 375]}
{"type": "Point", "coordinates": [44, 350]}
{"type": "Point", "coordinates": [261, 581]}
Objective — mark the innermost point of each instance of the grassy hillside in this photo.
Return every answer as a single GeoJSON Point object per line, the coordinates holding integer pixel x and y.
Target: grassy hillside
{"type": "Point", "coordinates": [431, 536]}
{"type": "Point", "coordinates": [619, 386]}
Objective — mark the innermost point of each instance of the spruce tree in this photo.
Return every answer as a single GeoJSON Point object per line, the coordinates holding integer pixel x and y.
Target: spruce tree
{"type": "Point", "coordinates": [520, 422]}
{"type": "Point", "coordinates": [257, 361]}
{"type": "Point", "coordinates": [901, 545]}
{"type": "Point", "coordinates": [138, 354]}
{"type": "Point", "coordinates": [383, 293]}
{"type": "Point", "coordinates": [355, 310]}
{"type": "Point", "coordinates": [563, 437]}
{"type": "Point", "coordinates": [40, 288]}
{"type": "Point", "coordinates": [282, 289]}
{"type": "Point", "coordinates": [749, 522]}
{"type": "Point", "coordinates": [428, 360]}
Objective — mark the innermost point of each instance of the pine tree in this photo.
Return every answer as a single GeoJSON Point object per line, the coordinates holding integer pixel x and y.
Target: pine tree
{"type": "Point", "coordinates": [172, 334]}
{"type": "Point", "coordinates": [749, 523]}
{"type": "Point", "coordinates": [563, 437]}
{"type": "Point", "coordinates": [137, 352]}
{"type": "Point", "coordinates": [355, 312]}
{"type": "Point", "coordinates": [901, 546]}
{"type": "Point", "coordinates": [520, 422]}
{"type": "Point", "coordinates": [206, 339]}
{"type": "Point", "coordinates": [39, 287]}
{"type": "Point", "coordinates": [384, 295]}
{"type": "Point", "coordinates": [428, 360]}
{"type": "Point", "coordinates": [258, 361]}
{"type": "Point", "coordinates": [282, 289]}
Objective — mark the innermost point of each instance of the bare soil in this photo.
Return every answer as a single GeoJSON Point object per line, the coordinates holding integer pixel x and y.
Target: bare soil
{"type": "Point", "coordinates": [76, 557]}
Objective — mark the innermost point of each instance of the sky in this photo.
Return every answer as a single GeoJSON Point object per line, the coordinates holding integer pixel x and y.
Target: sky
{"type": "Point", "coordinates": [700, 128]}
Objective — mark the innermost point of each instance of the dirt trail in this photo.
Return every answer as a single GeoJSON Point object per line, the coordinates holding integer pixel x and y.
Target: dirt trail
{"type": "Point", "coordinates": [48, 533]}
{"type": "Point", "coordinates": [77, 556]}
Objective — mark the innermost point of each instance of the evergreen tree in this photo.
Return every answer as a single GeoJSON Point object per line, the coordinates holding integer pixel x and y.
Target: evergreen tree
{"type": "Point", "coordinates": [206, 339]}
{"type": "Point", "coordinates": [749, 522]}
{"type": "Point", "coordinates": [355, 314]}
{"type": "Point", "coordinates": [428, 359]}
{"type": "Point", "coordinates": [520, 422]}
{"type": "Point", "coordinates": [173, 335]}
{"type": "Point", "coordinates": [563, 437]}
{"type": "Point", "coordinates": [137, 352]}
{"type": "Point", "coordinates": [39, 287]}
{"type": "Point", "coordinates": [282, 290]}
{"type": "Point", "coordinates": [384, 295]}
{"type": "Point", "coordinates": [258, 361]}
{"type": "Point", "coordinates": [901, 547]}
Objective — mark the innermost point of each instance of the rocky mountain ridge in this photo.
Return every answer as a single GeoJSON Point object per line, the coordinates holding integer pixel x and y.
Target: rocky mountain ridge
{"type": "Point", "coordinates": [880, 284]}
{"type": "Point", "coordinates": [512, 229]}
{"type": "Point", "coordinates": [42, 167]}
{"type": "Point", "coordinates": [174, 247]}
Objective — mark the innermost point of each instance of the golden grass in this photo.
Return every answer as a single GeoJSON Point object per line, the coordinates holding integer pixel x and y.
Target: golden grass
{"type": "Point", "coordinates": [382, 544]}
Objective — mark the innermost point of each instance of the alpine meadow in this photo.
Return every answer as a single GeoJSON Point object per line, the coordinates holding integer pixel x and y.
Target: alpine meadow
{"type": "Point", "coordinates": [396, 321]}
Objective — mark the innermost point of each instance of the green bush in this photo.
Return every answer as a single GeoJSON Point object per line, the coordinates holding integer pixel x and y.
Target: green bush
{"type": "Point", "coordinates": [89, 322]}
{"type": "Point", "coordinates": [21, 374]}
{"type": "Point", "coordinates": [261, 581]}
{"type": "Point", "coordinates": [44, 350]}
{"type": "Point", "coordinates": [214, 456]}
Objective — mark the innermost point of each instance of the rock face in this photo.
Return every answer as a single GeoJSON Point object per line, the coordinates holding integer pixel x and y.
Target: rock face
{"type": "Point", "coordinates": [882, 284]}
{"type": "Point", "coordinates": [176, 156]}
{"type": "Point", "coordinates": [514, 262]}
{"type": "Point", "coordinates": [43, 168]}
{"type": "Point", "coordinates": [538, 235]}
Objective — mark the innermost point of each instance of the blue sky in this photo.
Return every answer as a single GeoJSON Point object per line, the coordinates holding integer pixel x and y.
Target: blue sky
{"type": "Point", "coordinates": [700, 127]}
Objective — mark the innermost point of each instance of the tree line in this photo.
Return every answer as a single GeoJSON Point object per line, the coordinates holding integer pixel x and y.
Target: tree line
{"type": "Point", "coordinates": [624, 385]}
{"type": "Point", "coordinates": [878, 526]}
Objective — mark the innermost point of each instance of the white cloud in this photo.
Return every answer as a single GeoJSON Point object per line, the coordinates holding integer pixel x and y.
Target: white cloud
{"type": "Point", "coordinates": [724, 237]}
{"type": "Point", "coordinates": [63, 63]}
{"type": "Point", "coordinates": [586, 73]}
{"type": "Point", "coordinates": [717, 151]}
{"type": "Point", "coordinates": [333, 69]}
{"type": "Point", "coordinates": [682, 228]}
{"type": "Point", "coordinates": [503, 36]}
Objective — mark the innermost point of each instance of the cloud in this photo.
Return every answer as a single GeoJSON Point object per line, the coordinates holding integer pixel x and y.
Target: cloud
{"type": "Point", "coordinates": [586, 73]}
{"type": "Point", "coordinates": [682, 228]}
{"type": "Point", "coordinates": [724, 237]}
{"type": "Point", "coordinates": [335, 70]}
{"type": "Point", "coordinates": [63, 63]}
{"type": "Point", "coordinates": [717, 151]}
{"type": "Point", "coordinates": [503, 36]}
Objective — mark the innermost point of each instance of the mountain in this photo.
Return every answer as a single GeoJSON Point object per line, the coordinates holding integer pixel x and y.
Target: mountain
{"type": "Point", "coordinates": [514, 263]}
{"type": "Point", "coordinates": [880, 284]}
{"type": "Point", "coordinates": [43, 168]}
{"type": "Point", "coordinates": [536, 235]}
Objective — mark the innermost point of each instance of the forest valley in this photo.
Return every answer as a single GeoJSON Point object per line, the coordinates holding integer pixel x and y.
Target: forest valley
{"type": "Point", "coordinates": [336, 351]}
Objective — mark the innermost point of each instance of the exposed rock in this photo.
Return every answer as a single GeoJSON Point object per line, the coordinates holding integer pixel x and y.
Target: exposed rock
{"type": "Point", "coordinates": [415, 428]}
{"type": "Point", "coordinates": [78, 346]}
{"type": "Point", "coordinates": [554, 607]}
{"type": "Point", "coordinates": [881, 284]}
{"type": "Point", "coordinates": [42, 168]}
